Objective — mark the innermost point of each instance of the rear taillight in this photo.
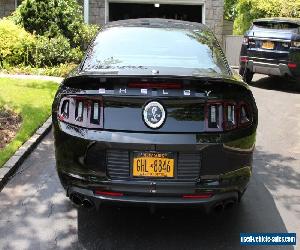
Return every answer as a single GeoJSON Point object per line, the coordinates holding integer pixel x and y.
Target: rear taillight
{"type": "Point", "coordinates": [292, 65]}
{"type": "Point", "coordinates": [81, 111]}
{"type": "Point", "coordinates": [227, 115]}
{"type": "Point", "coordinates": [230, 116]}
{"type": "Point", "coordinates": [245, 40]}
{"type": "Point", "coordinates": [244, 59]}
{"type": "Point", "coordinates": [295, 44]}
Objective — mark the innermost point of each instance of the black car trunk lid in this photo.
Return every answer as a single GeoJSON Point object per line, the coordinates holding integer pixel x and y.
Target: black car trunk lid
{"type": "Point", "coordinates": [183, 100]}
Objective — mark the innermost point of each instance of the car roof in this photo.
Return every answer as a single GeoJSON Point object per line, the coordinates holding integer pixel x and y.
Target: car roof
{"type": "Point", "coordinates": [278, 20]}
{"type": "Point", "coordinates": [157, 23]}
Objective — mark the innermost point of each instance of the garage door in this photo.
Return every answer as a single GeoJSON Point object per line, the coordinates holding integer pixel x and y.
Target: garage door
{"type": "Point", "coordinates": [120, 11]}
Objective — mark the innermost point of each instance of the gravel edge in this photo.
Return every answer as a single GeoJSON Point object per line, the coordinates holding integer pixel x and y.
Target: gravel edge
{"type": "Point", "coordinates": [10, 167]}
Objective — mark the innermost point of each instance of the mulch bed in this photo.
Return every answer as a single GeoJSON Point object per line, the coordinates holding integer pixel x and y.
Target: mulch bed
{"type": "Point", "coordinates": [10, 123]}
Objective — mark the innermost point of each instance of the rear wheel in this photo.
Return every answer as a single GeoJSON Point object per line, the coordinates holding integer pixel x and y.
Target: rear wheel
{"type": "Point", "coordinates": [247, 76]}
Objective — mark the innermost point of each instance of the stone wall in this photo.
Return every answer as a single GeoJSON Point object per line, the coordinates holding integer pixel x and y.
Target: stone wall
{"type": "Point", "coordinates": [97, 11]}
{"type": "Point", "coordinates": [6, 7]}
{"type": "Point", "coordinates": [214, 12]}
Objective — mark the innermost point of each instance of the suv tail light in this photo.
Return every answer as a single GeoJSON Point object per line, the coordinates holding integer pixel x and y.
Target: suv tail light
{"type": "Point", "coordinates": [227, 115]}
{"type": "Point", "coordinates": [81, 111]}
{"type": "Point", "coordinates": [295, 44]}
{"type": "Point", "coordinates": [246, 40]}
{"type": "Point", "coordinates": [292, 65]}
{"type": "Point", "coordinates": [244, 59]}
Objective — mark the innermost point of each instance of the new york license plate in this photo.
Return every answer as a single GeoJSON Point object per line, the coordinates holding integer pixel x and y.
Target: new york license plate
{"type": "Point", "coordinates": [153, 164]}
{"type": "Point", "coordinates": [268, 45]}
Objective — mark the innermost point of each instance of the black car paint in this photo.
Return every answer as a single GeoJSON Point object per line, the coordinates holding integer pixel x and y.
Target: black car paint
{"type": "Point", "coordinates": [277, 58]}
{"type": "Point", "coordinates": [225, 162]}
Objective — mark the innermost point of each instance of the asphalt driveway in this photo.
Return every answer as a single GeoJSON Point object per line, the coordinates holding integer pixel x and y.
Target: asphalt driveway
{"type": "Point", "coordinates": [35, 214]}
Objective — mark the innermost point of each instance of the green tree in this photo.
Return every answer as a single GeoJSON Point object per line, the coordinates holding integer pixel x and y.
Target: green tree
{"type": "Point", "coordinates": [52, 18]}
{"type": "Point", "coordinates": [230, 9]}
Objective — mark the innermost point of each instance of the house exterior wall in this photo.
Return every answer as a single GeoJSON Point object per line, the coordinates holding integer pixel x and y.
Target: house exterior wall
{"type": "Point", "coordinates": [213, 11]}
{"type": "Point", "coordinates": [7, 7]}
{"type": "Point", "coordinates": [98, 11]}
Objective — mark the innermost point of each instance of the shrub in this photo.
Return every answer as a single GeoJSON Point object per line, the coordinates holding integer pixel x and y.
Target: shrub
{"type": "Point", "coordinates": [52, 18]}
{"type": "Point", "coordinates": [87, 33]}
{"type": "Point", "coordinates": [60, 70]}
{"type": "Point", "coordinates": [55, 51]}
{"type": "Point", "coordinates": [16, 45]}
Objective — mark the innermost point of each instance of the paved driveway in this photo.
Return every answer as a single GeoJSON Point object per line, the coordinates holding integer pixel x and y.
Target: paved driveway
{"type": "Point", "coordinates": [34, 213]}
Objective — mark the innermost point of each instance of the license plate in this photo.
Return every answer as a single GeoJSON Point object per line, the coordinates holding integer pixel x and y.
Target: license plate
{"type": "Point", "coordinates": [153, 164]}
{"type": "Point", "coordinates": [267, 45]}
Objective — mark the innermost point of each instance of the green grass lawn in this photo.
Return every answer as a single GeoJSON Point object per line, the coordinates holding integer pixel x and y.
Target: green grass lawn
{"type": "Point", "coordinates": [32, 99]}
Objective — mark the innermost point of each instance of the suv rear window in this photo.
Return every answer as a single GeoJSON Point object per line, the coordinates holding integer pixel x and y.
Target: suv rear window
{"type": "Point", "coordinates": [276, 25]}
{"type": "Point", "coordinates": [133, 47]}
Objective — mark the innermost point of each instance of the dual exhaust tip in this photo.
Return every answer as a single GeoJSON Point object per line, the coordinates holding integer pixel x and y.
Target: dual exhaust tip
{"type": "Point", "coordinates": [224, 205]}
{"type": "Point", "coordinates": [80, 201]}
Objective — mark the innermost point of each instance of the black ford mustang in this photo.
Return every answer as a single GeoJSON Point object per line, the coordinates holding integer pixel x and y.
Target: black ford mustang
{"type": "Point", "coordinates": [154, 115]}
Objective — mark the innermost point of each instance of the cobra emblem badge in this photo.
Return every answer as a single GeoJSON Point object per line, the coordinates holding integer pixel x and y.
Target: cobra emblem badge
{"type": "Point", "coordinates": [154, 115]}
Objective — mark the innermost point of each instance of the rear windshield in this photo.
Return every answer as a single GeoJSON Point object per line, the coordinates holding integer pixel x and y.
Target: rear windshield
{"type": "Point", "coordinates": [121, 47]}
{"type": "Point", "coordinates": [276, 25]}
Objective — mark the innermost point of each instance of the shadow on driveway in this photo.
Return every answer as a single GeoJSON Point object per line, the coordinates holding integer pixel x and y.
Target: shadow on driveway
{"type": "Point", "coordinates": [276, 83]}
{"type": "Point", "coordinates": [136, 228]}
{"type": "Point", "coordinates": [35, 214]}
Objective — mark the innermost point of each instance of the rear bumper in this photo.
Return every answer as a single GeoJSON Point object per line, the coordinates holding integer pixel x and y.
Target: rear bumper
{"type": "Point", "coordinates": [280, 69]}
{"type": "Point", "coordinates": [207, 204]}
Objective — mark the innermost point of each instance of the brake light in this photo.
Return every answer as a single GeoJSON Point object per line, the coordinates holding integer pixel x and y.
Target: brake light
{"type": "Point", "coordinates": [244, 59]}
{"type": "Point", "coordinates": [81, 111]}
{"type": "Point", "coordinates": [292, 65]}
{"type": "Point", "coordinates": [246, 40]}
{"type": "Point", "coordinates": [155, 85]}
{"type": "Point", "coordinates": [227, 115]}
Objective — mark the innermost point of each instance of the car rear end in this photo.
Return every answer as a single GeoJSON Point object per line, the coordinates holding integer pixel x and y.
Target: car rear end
{"type": "Point", "coordinates": [272, 47]}
{"type": "Point", "coordinates": [107, 150]}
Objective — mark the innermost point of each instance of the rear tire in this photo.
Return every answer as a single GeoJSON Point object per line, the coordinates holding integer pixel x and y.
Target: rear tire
{"type": "Point", "coordinates": [247, 76]}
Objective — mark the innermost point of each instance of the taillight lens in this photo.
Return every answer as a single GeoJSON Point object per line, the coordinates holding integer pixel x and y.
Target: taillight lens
{"type": "Point", "coordinates": [244, 59]}
{"type": "Point", "coordinates": [227, 115]}
{"type": "Point", "coordinates": [245, 40]}
{"type": "Point", "coordinates": [81, 111]}
{"type": "Point", "coordinates": [296, 44]}
{"type": "Point", "coordinates": [214, 116]}
{"type": "Point", "coordinates": [64, 110]}
{"type": "Point", "coordinates": [292, 65]}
